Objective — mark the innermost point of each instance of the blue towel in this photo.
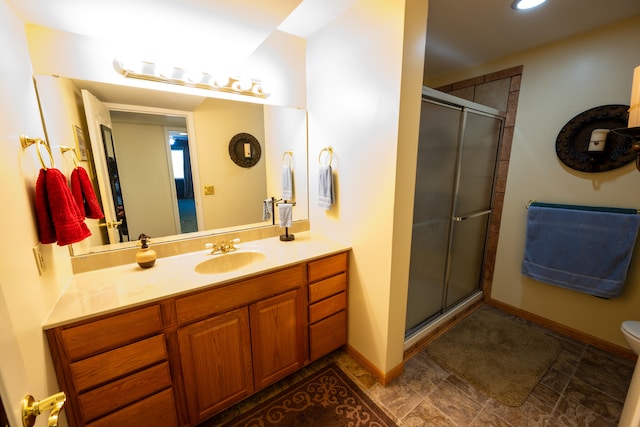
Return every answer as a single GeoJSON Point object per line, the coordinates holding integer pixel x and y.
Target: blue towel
{"type": "Point", "coordinates": [287, 182]}
{"type": "Point", "coordinates": [583, 250]}
{"type": "Point", "coordinates": [326, 195]}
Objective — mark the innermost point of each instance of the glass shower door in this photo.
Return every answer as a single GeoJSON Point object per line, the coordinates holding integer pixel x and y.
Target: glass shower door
{"type": "Point", "coordinates": [457, 157]}
{"type": "Point", "coordinates": [473, 204]}
{"type": "Point", "coordinates": [435, 175]}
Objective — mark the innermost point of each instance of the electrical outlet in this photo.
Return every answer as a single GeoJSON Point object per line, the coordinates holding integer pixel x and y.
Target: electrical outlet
{"type": "Point", "coordinates": [37, 253]}
{"type": "Point", "coordinates": [208, 190]}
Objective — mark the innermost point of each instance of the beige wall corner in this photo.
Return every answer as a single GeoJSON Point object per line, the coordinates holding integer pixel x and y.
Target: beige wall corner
{"type": "Point", "coordinates": [354, 102]}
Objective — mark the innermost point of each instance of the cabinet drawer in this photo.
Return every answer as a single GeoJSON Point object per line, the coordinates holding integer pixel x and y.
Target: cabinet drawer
{"type": "Point", "coordinates": [116, 363]}
{"type": "Point", "coordinates": [327, 307]}
{"type": "Point", "coordinates": [327, 335]}
{"type": "Point", "coordinates": [327, 267]}
{"type": "Point", "coordinates": [225, 298]}
{"type": "Point", "coordinates": [126, 391]}
{"type": "Point", "coordinates": [158, 410]}
{"type": "Point", "coordinates": [90, 338]}
{"type": "Point", "coordinates": [327, 287]}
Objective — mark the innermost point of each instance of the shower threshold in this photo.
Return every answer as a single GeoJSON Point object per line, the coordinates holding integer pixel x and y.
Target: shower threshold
{"type": "Point", "coordinates": [424, 330]}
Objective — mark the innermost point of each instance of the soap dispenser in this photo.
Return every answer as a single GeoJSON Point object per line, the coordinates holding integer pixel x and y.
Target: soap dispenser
{"type": "Point", "coordinates": [146, 257]}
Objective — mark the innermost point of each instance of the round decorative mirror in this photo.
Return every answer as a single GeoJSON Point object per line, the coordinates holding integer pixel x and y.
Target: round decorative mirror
{"type": "Point", "coordinates": [587, 144]}
{"type": "Point", "coordinates": [244, 150]}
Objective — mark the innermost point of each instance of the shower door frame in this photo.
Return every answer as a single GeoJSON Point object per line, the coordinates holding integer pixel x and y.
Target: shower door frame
{"type": "Point", "coordinates": [430, 95]}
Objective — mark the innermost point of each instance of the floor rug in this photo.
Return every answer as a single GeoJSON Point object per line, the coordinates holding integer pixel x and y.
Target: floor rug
{"type": "Point", "coordinates": [327, 398]}
{"type": "Point", "coordinates": [501, 356]}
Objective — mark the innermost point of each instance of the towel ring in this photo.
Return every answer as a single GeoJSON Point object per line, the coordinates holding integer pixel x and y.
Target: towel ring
{"type": "Point", "coordinates": [64, 149]}
{"type": "Point", "coordinates": [25, 141]}
{"type": "Point", "coordinates": [41, 142]}
{"type": "Point", "coordinates": [328, 150]}
{"type": "Point", "coordinates": [290, 154]}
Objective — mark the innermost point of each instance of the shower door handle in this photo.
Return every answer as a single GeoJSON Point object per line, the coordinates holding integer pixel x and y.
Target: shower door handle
{"type": "Point", "coordinates": [471, 215]}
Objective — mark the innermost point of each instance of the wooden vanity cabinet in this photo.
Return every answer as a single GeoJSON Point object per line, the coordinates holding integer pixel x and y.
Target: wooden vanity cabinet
{"type": "Point", "coordinates": [115, 368]}
{"type": "Point", "coordinates": [327, 305]}
{"type": "Point", "coordinates": [257, 339]}
{"type": "Point", "coordinates": [183, 359]}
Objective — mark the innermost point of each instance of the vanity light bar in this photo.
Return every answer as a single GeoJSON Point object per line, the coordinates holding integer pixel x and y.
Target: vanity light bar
{"type": "Point", "coordinates": [145, 70]}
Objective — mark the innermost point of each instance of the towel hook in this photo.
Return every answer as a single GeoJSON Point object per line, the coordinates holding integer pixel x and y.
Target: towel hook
{"type": "Point", "coordinates": [328, 150]}
{"type": "Point", "coordinates": [64, 149]}
{"type": "Point", "coordinates": [285, 154]}
{"type": "Point", "coordinates": [25, 141]}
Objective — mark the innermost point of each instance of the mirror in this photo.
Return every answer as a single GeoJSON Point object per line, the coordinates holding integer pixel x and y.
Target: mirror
{"type": "Point", "coordinates": [173, 192]}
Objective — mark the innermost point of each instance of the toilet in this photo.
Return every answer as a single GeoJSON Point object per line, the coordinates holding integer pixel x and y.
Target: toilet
{"type": "Point", "coordinates": [630, 416]}
{"type": "Point", "coordinates": [631, 331]}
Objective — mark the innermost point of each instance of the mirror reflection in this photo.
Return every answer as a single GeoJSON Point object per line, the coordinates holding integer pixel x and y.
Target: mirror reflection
{"type": "Point", "coordinates": [167, 172]}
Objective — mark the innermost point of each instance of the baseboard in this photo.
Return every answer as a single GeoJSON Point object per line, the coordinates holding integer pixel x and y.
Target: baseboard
{"type": "Point", "coordinates": [383, 378]}
{"type": "Point", "coordinates": [566, 331]}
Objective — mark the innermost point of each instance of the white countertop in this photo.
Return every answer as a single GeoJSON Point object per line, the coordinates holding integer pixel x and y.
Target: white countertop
{"type": "Point", "coordinates": [111, 289]}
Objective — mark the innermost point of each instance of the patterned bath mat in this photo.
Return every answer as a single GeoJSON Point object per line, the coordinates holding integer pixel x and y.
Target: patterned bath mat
{"type": "Point", "coordinates": [327, 398]}
{"type": "Point", "coordinates": [501, 356]}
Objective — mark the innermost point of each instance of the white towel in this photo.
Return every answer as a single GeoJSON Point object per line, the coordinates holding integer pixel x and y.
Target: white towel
{"type": "Point", "coordinates": [286, 214]}
{"type": "Point", "coordinates": [326, 196]}
{"type": "Point", "coordinates": [287, 182]}
{"type": "Point", "coordinates": [266, 210]}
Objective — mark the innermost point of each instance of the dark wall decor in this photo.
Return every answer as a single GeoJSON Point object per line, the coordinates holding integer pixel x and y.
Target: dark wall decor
{"type": "Point", "coordinates": [244, 150]}
{"type": "Point", "coordinates": [582, 149]}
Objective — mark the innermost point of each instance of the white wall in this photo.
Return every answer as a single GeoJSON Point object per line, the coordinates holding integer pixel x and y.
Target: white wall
{"type": "Point", "coordinates": [25, 364]}
{"type": "Point", "coordinates": [354, 99]}
{"type": "Point", "coordinates": [560, 81]}
{"type": "Point", "coordinates": [286, 130]}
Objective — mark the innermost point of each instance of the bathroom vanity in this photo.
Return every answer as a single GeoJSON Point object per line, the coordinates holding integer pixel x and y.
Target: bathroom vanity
{"type": "Point", "coordinates": [133, 348]}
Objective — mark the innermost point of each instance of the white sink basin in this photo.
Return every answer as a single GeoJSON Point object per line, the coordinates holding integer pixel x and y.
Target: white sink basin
{"type": "Point", "coordinates": [224, 263]}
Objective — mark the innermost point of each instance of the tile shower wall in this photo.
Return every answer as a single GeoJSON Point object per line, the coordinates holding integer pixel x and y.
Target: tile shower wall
{"type": "Point", "coordinates": [499, 90]}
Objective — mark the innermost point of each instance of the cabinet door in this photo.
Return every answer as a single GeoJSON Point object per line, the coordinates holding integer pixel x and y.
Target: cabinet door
{"type": "Point", "coordinates": [277, 335]}
{"type": "Point", "coordinates": [216, 362]}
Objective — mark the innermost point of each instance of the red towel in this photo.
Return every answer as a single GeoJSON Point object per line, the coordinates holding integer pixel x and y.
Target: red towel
{"type": "Point", "coordinates": [84, 195]}
{"type": "Point", "coordinates": [59, 218]}
{"type": "Point", "coordinates": [46, 230]}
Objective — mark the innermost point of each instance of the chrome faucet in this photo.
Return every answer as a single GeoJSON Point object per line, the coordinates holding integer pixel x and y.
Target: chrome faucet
{"type": "Point", "coordinates": [223, 247]}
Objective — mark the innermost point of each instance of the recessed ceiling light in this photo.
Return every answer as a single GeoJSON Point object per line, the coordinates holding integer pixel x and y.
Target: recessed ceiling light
{"type": "Point", "coordinates": [526, 4]}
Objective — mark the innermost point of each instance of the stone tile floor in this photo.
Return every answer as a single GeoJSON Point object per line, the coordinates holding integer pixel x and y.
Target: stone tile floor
{"type": "Point", "coordinates": [584, 387]}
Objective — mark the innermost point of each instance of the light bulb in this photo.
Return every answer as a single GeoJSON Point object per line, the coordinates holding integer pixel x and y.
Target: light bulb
{"type": "Point", "coordinates": [219, 80]}
{"type": "Point", "coordinates": [148, 68]}
{"type": "Point", "coordinates": [257, 89]}
{"type": "Point", "coordinates": [195, 77]}
{"type": "Point", "coordinates": [169, 72]}
{"type": "Point", "coordinates": [243, 84]}
{"type": "Point", "coordinates": [130, 65]}
{"type": "Point", "coordinates": [526, 4]}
